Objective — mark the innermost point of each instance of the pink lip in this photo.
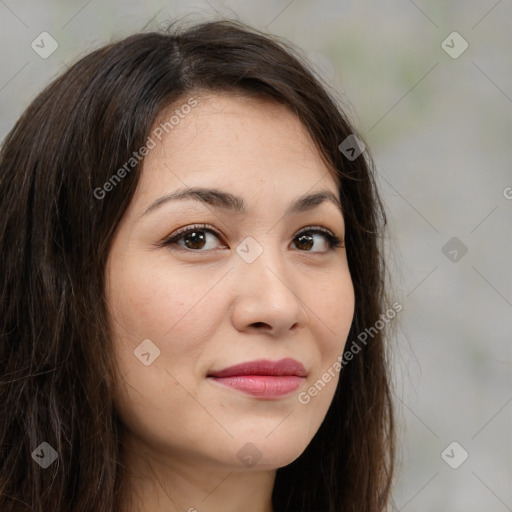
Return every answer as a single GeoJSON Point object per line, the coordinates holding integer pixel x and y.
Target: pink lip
{"type": "Point", "coordinates": [263, 378]}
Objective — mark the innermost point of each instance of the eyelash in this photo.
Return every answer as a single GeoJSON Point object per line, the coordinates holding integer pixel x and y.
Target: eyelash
{"type": "Point", "coordinates": [332, 240]}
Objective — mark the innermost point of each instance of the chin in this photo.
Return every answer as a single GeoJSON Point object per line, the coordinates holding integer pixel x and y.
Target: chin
{"type": "Point", "coordinates": [268, 453]}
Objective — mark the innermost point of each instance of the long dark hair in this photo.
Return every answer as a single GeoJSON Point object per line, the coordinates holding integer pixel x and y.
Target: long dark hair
{"type": "Point", "coordinates": [57, 371]}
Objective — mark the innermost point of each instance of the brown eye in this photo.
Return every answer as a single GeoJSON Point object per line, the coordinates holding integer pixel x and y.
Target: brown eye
{"type": "Point", "coordinates": [305, 240]}
{"type": "Point", "coordinates": [193, 238]}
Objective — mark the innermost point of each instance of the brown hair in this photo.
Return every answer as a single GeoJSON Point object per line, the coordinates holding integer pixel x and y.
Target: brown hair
{"type": "Point", "coordinates": [57, 371]}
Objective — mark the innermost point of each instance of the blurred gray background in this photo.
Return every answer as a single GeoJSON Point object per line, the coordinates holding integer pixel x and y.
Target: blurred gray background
{"type": "Point", "coordinates": [438, 119]}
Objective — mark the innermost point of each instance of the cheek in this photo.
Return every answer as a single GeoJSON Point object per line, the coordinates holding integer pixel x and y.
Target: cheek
{"type": "Point", "coordinates": [333, 312]}
{"type": "Point", "coordinates": [178, 317]}
{"type": "Point", "coordinates": [151, 302]}
{"type": "Point", "coordinates": [332, 306]}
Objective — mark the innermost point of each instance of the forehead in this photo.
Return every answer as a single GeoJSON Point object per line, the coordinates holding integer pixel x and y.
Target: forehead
{"type": "Point", "coordinates": [235, 142]}
{"type": "Point", "coordinates": [233, 129]}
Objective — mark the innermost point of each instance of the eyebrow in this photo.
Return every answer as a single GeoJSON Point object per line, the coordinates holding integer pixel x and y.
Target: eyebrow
{"type": "Point", "coordinates": [235, 204]}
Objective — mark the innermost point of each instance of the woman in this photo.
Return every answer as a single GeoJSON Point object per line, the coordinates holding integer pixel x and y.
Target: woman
{"type": "Point", "coordinates": [190, 236]}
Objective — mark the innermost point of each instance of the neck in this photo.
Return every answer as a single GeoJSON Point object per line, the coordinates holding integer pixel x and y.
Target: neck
{"type": "Point", "coordinates": [156, 482]}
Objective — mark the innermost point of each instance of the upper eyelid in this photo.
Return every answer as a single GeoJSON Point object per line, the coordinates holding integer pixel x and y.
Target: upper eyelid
{"type": "Point", "coordinates": [200, 227]}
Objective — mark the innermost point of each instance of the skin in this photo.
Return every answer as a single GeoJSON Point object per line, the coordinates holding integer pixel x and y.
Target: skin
{"type": "Point", "coordinates": [207, 308]}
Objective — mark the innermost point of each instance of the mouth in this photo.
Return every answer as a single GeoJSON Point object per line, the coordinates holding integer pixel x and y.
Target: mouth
{"type": "Point", "coordinates": [262, 378]}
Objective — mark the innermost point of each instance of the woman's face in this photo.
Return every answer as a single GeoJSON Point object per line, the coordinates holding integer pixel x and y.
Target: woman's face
{"type": "Point", "coordinates": [253, 288]}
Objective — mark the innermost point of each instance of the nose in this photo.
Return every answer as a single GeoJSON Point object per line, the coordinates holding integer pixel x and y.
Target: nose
{"type": "Point", "coordinates": [267, 299]}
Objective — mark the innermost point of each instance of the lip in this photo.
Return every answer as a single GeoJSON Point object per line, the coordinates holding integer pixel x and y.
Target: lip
{"type": "Point", "coordinates": [283, 367]}
{"type": "Point", "coordinates": [262, 378]}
